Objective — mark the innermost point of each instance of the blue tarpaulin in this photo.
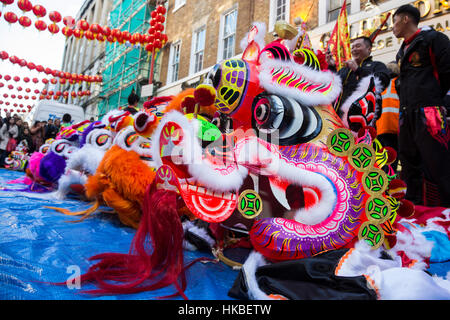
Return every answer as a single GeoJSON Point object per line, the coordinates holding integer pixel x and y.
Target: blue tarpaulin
{"type": "Point", "coordinates": [39, 246]}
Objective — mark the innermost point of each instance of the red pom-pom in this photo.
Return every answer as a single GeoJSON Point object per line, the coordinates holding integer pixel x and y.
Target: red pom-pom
{"type": "Point", "coordinates": [406, 209]}
{"type": "Point", "coordinates": [397, 189]}
{"type": "Point", "coordinates": [188, 104]}
{"type": "Point", "coordinates": [205, 95]}
{"type": "Point", "coordinates": [392, 154]}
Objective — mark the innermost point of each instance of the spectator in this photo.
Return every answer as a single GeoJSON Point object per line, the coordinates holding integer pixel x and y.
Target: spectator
{"type": "Point", "coordinates": [8, 131]}
{"type": "Point", "coordinates": [26, 135]}
{"type": "Point", "coordinates": [356, 69]}
{"type": "Point", "coordinates": [66, 120]}
{"type": "Point", "coordinates": [133, 101]}
{"type": "Point", "coordinates": [6, 118]}
{"type": "Point", "coordinates": [424, 59]}
{"type": "Point", "coordinates": [387, 124]}
{"type": "Point", "coordinates": [50, 130]}
{"type": "Point", "coordinates": [37, 135]}
{"type": "Point", "coordinates": [57, 125]}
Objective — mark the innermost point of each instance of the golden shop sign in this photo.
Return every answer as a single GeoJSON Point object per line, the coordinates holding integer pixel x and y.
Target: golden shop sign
{"type": "Point", "coordinates": [429, 9]}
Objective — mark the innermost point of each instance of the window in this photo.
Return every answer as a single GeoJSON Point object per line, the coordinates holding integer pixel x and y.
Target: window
{"type": "Point", "coordinates": [174, 62]}
{"type": "Point", "coordinates": [229, 34]}
{"type": "Point", "coordinates": [178, 4]}
{"type": "Point", "coordinates": [198, 49]}
{"type": "Point", "coordinates": [334, 8]}
{"type": "Point", "coordinates": [279, 10]}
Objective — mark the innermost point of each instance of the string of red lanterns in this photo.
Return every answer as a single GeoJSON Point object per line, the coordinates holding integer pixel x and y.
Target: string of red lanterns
{"type": "Point", "coordinates": [154, 39]}
{"type": "Point", "coordinates": [74, 77]}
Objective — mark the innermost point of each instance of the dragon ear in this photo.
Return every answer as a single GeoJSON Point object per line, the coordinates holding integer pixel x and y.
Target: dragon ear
{"type": "Point", "coordinates": [254, 42]}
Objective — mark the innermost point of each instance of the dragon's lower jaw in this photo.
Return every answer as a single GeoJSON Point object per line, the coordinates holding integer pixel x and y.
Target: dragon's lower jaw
{"type": "Point", "coordinates": [207, 205]}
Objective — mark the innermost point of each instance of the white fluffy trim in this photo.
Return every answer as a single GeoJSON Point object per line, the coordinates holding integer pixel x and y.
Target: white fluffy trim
{"type": "Point", "coordinates": [259, 38]}
{"type": "Point", "coordinates": [360, 91]}
{"type": "Point", "coordinates": [312, 76]}
{"type": "Point", "coordinates": [189, 152]}
{"type": "Point", "coordinates": [254, 260]}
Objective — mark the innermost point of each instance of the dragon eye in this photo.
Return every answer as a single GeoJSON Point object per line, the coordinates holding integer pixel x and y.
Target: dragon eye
{"type": "Point", "coordinates": [262, 112]}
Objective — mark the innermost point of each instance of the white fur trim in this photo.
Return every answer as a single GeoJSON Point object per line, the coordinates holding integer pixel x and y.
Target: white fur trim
{"type": "Point", "coordinates": [254, 260]}
{"type": "Point", "coordinates": [360, 91]}
{"type": "Point", "coordinates": [191, 154]}
{"type": "Point", "coordinates": [259, 38]}
{"type": "Point", "coordinates": [309, 99]}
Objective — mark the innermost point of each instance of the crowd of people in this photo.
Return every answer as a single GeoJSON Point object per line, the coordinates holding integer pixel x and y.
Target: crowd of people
{"type": "Point", "coordinates": [14, 131]}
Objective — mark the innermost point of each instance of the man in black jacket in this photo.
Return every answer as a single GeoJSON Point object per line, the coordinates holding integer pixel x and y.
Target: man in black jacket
{"type": "Point", "coordinates": [361, 66]}
{"type": "Point", "coordinates": [424, 60]}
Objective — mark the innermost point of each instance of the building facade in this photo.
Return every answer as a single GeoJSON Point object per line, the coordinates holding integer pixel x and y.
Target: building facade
{"type": "Point", "coordinates": [126, 67]}
{"type": "Point", "coordinates": [83, 56]}
{"type": "Point", "coordinates": [202, 33]}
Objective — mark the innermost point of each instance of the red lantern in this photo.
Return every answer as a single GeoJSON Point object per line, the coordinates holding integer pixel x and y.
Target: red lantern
{"type": "Point", "coordinates": [116, 33]}
{"type": "Point", "coordinates": [1, 102]}
{"type": "Point", "coordinates": [50, 93]}
{"type": "Point", "coordinates": [1, 85]}
{"type": "Point", "coordinates": [33, 97]}
{"type": "Point", "coordinates": [58, 93]}
{"type": "Point", "coordinates": [10, 87]}
{"type": "Point", "coordinates": [55, 16]}
{"type": "Point", "coordinates": [135, 38]}
{"type": "Point", "coordinates": [88, 92]}
{"type": "Point", "coordinates": [19, 97]}
{"type": "Point", "coordinates": [89, 35]}
{"type": "Point", "coordinates": [25, 21]}
{"type": "Point", "coordinates": [13, 96]}
{"type": "Point", "coordinates": [48, 97]}
{"type": "Point", "coordinates": [65, 94]}
{"type": "Point", "coordinates": [67, 31]}
{"type": "Point", "coordinates": [37, 91]}
{"type": "Point", "coordinates": [80, 93]}
{"type": "Point", "coordinates": [77, 33]}
{"type": "Point", "coordinates": [7, 77]}
{"type": "Point", "coordinates": [53, 28]}
{"type": "Point", "coordinates": [22, 62]}
{"type": "Point", "coordinates": [154, 14]}
{"type": "Point", "coordinates": [13, 59]}
{"type": "Point", "coordinates": [39, 68]}
{"type": "Point", "coordinates": [16, 79]}
{"type": "Point", "coordinates": [95, 28]}
{"type": "Point", "coordinates": [48, 70]}
{"type": "Point", "coordinates": [40, 25]}
{"type": "Point", "coordinates": [161, 9]}
{"type": "Point", "coordinates": [62, 81]}
{"type": "Point", "coordinates": [6, 2]}
{"type": "Point", "coordinates": [44, 81]}
{"type": "Point", "coordinates": [26, 79]}
{"type": "Point", "coordinates": [110, 39]}
{"type": "Point", "coordinates": [69, 21]}
{"type": "Point", "coordinates": [26, 97]}
{"type": "Point", "coordinates": [19, 88]}
{"type": "Point", "coordinates": [100, 37]}
{"type": "Point", "coordinates": [53, 81]}
{"type": "Point", "coordinates": [4, 55]}
{"type": "Point", "coordinates": [152, 30]}
{"type": "Point", "coordinates": [55, 73]}
{"type": "Point", "coordinates": [10, 17]}
{"type": "Point", "coordinates": [25, 5]}
{"type": "Point", "coordinates": [27, 90]}
{"type": "Point", "coordinates": [73, 94]}
{"type": "Point", "coordinates": [126, 35]}
{"type": "Point", "coordinates": [106, 31]}
{"type": "Point", "coordinates": [67, 75]}
{"type": "Point", "coordinates": [83, 25]}
{"type": "Point", "coordinates": [149, 47]}
{"type": "Point", "coordinates": [39, 11]}
{"type": "Point", "coordinates": [35, 80]}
